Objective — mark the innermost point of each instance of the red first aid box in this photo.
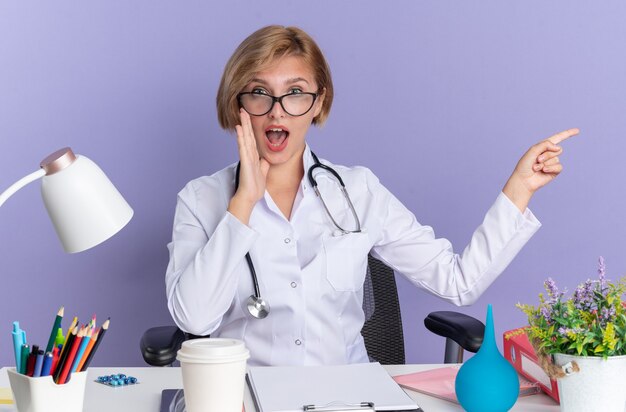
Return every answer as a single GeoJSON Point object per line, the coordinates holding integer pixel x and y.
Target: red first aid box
{"type": "Point", "coordinates": [519, 351]}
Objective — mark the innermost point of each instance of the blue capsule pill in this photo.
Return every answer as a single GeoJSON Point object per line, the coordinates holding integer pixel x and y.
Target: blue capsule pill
{"type": "Point", "coordinates": [117, 379]}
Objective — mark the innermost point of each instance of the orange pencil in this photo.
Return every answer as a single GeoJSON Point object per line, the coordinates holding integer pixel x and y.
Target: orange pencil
{"type": "Point", "coordinates": [70, 357]}
{"type": "Point", "coordinates": [81, 349]}
{"type": "Point", "coordinates": [103, 330]}
{"type": "Point", "coordinates": [92, 341]}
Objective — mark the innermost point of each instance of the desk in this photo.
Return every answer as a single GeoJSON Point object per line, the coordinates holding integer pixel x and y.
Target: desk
{"type": "Point", "coordinates": [146, 397]}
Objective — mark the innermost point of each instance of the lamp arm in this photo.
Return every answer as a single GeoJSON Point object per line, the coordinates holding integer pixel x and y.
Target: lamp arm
{"type": "Point", "coordinates": [20, 184]}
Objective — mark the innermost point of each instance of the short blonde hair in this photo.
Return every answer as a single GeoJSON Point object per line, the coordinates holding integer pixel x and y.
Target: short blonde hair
{"type": "Point", "coordinates": [257, 52]}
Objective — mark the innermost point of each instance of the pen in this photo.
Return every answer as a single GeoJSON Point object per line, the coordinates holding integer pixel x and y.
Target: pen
{"type": "Point", "coordinates": [19, 338]}
{"type": "Point", "coordinates": [30, 361]}
{"type": "Point", "coordinates": [32, 358]}
{"type": "Point", "coordinates": [103, 329]}
{"type": "Point", "coordinates": [55, 327]}
{"type": "Point", "coordinates": [60, 338]}
{"type": "Point", "coordinates": [24, 358]}
{"type": "Point", "coordinates": [38, 364]}
{"type": "Point", "coordinates": [47, 364]}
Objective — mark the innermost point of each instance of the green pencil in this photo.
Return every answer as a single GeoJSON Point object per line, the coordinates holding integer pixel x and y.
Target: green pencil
{"type": "Point", "coordinates": [55, 328]}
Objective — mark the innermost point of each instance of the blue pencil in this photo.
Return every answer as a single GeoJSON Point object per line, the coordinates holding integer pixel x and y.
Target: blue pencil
{"type": "Point", "coordinates": [81, 350]}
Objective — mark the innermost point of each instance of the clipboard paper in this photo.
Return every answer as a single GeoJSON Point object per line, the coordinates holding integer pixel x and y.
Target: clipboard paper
{"type": "Point", "coordinates": [356, 387]}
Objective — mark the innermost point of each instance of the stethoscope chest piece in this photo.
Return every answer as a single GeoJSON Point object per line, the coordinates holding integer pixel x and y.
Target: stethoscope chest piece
{"type": "Point", "coordinates": [258, 307]}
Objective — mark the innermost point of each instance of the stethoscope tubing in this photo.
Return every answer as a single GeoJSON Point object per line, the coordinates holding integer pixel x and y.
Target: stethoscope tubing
{"type": "Point", "coordinates": [257, 306]}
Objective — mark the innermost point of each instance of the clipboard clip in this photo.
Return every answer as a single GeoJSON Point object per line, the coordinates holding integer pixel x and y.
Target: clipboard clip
{"type": "Point", "coordinates": [340, 406]}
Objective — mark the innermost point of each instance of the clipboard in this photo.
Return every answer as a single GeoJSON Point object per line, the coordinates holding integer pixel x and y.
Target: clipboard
{"type": "Point", "coordinates": [358, 387]}
{"type": "Point", "coordinates": [173, 400]}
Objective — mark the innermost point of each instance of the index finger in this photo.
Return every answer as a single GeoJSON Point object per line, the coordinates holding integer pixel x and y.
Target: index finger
{"type": "Point", "coordinates": [565, 134]}
{"type": "Point", "coordinates": [246, 127]}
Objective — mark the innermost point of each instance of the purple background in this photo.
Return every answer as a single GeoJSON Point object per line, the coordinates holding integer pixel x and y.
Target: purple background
{"type": "Point", "coordinates": [438, 98]}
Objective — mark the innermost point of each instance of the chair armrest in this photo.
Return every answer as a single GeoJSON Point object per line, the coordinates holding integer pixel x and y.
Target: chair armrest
{"type": "Point", "coordinates": [465, 330]}
{"type": "Point", "coordinates": [159, 345]}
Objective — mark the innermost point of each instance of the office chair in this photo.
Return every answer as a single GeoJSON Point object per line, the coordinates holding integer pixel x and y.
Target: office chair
{"type": "Point", "coordinates": [382, 331]}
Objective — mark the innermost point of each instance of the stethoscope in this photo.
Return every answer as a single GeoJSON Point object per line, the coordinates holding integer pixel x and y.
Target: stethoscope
{"type": "Point", "coordinates": [257, 306]}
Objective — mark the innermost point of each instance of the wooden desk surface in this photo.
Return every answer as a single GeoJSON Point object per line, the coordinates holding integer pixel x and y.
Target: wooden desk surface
{"type": "Point", "coordinates": [146, 397]}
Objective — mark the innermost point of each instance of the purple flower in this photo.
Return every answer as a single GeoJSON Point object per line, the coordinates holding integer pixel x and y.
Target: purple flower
{"type": "Point", "coordinates": [583, 295]}
{"type": "Point", "coordinates": [545, 312]}
{"type": "Point", "coordinates": [553, 291]}
{"type": "Point", "coordinates": [606, 314]}
{"type": "Point", "coordinates": [601, 270]}
{"type": "Point", "coordinates": [563, 331]}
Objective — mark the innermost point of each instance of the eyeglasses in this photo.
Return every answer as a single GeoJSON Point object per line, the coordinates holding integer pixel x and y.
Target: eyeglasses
{"type": "Point", "coordinates": [259, 104]}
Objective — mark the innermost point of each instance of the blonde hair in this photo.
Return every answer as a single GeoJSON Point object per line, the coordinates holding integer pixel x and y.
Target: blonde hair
{"type": "Point", "coordinates": [257, 52]}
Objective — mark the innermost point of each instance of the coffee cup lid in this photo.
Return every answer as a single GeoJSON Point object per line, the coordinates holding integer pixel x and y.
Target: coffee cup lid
{"type": "Point", "coordinates": [212, 350]}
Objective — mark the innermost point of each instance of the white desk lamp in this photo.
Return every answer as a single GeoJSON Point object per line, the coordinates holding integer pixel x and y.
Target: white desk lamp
{"type": "Point", "coordinates": [84, 206]}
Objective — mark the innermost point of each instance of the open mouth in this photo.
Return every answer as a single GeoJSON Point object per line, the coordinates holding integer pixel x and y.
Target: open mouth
{"type": "Point", "coordinates": [276, 138]}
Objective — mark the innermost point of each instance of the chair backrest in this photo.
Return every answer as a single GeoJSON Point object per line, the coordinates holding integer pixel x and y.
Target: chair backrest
{"type": "Point", "coordinates": [382, 332]}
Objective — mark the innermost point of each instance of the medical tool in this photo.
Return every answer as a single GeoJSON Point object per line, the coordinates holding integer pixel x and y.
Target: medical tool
{"type": "Point", "coordinates": [257, 306]}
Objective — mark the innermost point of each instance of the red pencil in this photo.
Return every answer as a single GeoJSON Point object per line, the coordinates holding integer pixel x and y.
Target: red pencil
{"type": "Point", "coordinates": [92, 341]}
{"type": "Point", "coordinates": [55, 359]}
{"type": "Point", "coordinates": [70, 357]}
{"type": "Point", "coordinates": [63, 353]}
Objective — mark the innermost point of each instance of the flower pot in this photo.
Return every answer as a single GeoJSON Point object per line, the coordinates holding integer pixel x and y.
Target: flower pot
{"type": "Point", "coordinates": [598, 386]}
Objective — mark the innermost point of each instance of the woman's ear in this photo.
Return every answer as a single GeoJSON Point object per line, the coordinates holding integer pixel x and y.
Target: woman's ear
{"type": "Point", "coordinates": [319, 103]}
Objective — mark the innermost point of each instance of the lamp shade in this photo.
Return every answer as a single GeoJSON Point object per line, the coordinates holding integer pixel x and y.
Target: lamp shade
{"type": "Point", "coordinates": [84, 206]}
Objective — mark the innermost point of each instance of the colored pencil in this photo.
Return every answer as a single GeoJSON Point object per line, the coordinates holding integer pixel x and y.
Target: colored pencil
{"type": "Point", "coordinates": [55, 328]}
{"type": "Point", "coordinates": [63, 377]}
{"type": "Point", "coordinates": [64, 354]}
{"type": "Point", "coordinates": [103, 329]}
{"type": "Point", "coordinates": [81, 349]}
{"type": "Point", "coordinates": [92, 341]}
{"type": "Point", "coordinates": [56, 355]}
{"type": "Point", "coordinates": [67, 335]}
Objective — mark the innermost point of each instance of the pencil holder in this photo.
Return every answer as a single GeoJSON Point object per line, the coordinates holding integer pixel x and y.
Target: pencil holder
{"type": "Point", "coordinates": [43, 395]}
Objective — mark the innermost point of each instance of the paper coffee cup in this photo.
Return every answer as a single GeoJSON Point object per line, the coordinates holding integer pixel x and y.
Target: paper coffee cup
{"type": "Point", "coordinates": [214, 372]}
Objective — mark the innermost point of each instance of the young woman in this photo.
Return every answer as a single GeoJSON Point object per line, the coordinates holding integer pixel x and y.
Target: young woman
{"type": "Point", "coordinates": [257, 255]}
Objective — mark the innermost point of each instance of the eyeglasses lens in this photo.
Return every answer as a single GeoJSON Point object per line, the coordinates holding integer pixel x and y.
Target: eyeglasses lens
{"type": "Point", "coordinates": [293, 104]}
